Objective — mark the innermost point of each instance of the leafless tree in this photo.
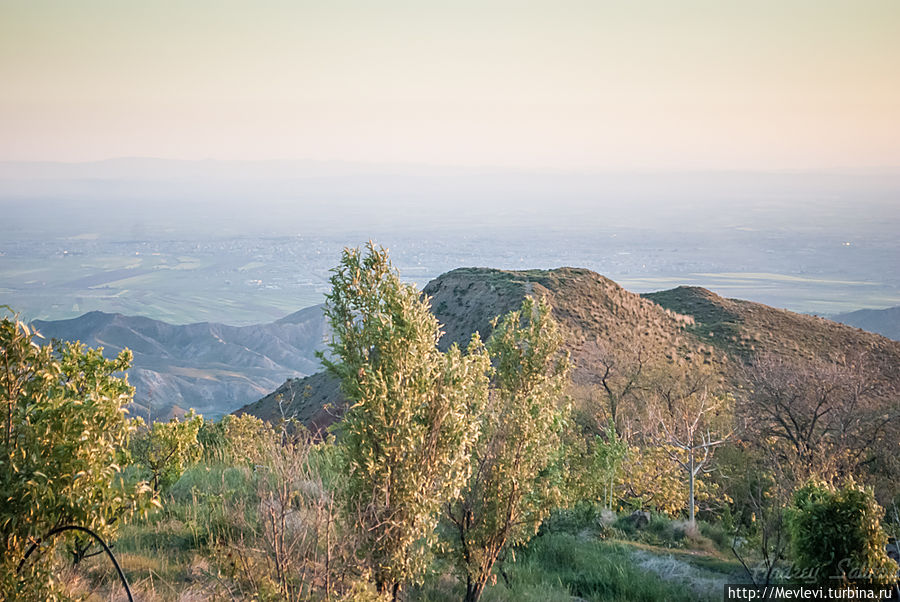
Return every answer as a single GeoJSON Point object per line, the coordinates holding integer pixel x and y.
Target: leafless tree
{"type": "Point", "coordinates": [689, 426]}
{"type": "Point", "coordinates": [822, 417]}
{"type": "Point", "coordinates": [619, 378]}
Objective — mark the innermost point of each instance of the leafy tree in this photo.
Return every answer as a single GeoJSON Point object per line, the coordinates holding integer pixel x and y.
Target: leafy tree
{"type": "Point", "coordinates": [166, 449]}
{"type": "Point", "coordinates": [604, 460]}
{"type": "Point", "coordinates": [412, 414]}
{"type": "Point", "coordinates": [836, 533]}
{"type": "Point", "coordinates": [513, 484]}
{"type": "Point", "coordinates": [64, 423]}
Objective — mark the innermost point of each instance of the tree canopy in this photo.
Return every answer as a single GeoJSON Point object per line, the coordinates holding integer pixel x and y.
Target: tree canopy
{"type": "Point", "coordinates": [64, 426]}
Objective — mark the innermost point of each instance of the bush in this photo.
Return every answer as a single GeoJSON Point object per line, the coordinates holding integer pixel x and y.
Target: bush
{"type": "Point", "coordinates": [836, 532]}
{"type": "Point", "coordinates": [63, 427]}
{"type": "Point", "coordinates": [166, 449]}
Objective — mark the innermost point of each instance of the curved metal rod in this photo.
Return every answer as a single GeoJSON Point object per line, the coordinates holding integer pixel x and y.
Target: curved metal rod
{"type": "Point", "coordinates": [65, 528]}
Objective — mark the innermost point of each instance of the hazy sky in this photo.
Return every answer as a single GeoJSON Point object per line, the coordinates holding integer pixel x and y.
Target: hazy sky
{"type": "Point", "coordinates": [573, 85]}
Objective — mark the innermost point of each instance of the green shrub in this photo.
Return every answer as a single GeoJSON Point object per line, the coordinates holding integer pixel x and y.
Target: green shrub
{"type": "Point", "coordinates": [836, 532]}
{"type": "Point", "coordinates": [62, 429]}
{"type": "Point", "coordinates": [166, 449]}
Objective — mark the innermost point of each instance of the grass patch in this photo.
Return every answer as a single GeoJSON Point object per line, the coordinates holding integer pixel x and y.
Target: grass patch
{"type": "Point", "coordinates": [560, 566]}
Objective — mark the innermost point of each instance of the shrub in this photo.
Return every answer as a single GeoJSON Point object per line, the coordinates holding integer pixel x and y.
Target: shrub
{"type": "Point", "coordinates": [836, 532]}
{"type": "Point", "coordinates": [63, 426]}
{"type": "Point", "coordinates": [166, 449]}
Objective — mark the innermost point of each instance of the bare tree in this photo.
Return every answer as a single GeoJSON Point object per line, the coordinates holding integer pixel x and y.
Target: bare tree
{"type": "Point", "coordinates": [822, 417]}
{"type": "Point", "coordinates": [688, 420]}
{"type": "Point", "coordinates": [619, 379]}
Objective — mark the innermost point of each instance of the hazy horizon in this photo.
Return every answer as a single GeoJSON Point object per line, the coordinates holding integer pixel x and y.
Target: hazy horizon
{"type": "Point", "coordinates": [247, 242]}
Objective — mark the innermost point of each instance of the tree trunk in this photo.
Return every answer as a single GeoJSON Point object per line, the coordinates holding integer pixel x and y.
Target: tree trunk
{"type": "Point", "coordinates": [691, 484]}
{"type": "Point", "coordinates": [474, 589]}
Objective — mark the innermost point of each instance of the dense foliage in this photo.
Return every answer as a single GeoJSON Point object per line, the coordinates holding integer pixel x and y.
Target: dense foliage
{"type": "Point", "coordinates": [836, 534]}
{"type": "Point", "coordinates": [412, 417]}
{"type": "Point", "coordinates": [64, 424]}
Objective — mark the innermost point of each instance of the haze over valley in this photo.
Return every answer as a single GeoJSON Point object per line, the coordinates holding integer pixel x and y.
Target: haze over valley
{"type": "Point", "coordinates": [248, 242]}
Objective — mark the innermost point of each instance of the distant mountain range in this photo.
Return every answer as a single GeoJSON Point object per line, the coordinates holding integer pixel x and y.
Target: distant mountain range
{"type": "Point", "coordinates": [883, 321]}
{"type": "Point", "coordinates": [211, 367]}
{"type": "Point", "coordinates": [600, 320]}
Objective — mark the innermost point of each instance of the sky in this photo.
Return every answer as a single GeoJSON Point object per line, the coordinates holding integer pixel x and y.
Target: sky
{"type": "Point", "coordinates": [561, 85]}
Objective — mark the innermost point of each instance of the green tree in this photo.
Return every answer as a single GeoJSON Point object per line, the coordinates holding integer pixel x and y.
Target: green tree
{"type": "Point", "coordinates": [412, 414]}
{"type": "Point", "coordinates": [167, 449]}
{"type": "Point", "coordinates": [602, 465]}
{"type": "Point", "coordinates": [515, 479]}
{"type": "Point", "coordinates": [64, 425]}
{"type": "Point", "coordinates": [836, 533]}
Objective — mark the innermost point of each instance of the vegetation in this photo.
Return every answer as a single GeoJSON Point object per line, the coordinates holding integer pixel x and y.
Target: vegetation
{"type": "Point", "coordinates": [64, 426]}
{"type": "Point", "coordinates": [690, 427]}
{"type": "Point", "coordinates": [165, 449]}
{"type": "Point", "coordinates": [641, 468]}
{"type": "Point", "coordinates": [836, 533]}
{"type": "Point", "coordinates": [413, 417]}
{"type": "Point", "coordinates": [516, 458]}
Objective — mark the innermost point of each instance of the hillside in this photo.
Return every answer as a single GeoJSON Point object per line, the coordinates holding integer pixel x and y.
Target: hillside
{"type": "Point", "coordinates": [597, 315]}
{"type": "Point", "coordinates": [604, 323]}
{"type": "Point", "coordinates": [885, 322]}
{"type": "Point", "coordinates": [314, 400]}
{"type": "Point", "coordinates": [743, 328]}
{"type": "Point", "coordinates": [211, 367]}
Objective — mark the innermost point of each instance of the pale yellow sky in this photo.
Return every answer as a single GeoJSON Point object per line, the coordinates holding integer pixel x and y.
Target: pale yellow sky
{"type": "Point", "coordinates": [656, 84]}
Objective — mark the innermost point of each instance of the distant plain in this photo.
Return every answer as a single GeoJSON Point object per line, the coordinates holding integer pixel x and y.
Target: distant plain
{"type": "Point", "coordinates": [248, 243]}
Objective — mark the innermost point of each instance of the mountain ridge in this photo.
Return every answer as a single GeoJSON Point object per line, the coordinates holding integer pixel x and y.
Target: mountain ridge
{"type": "Point", "coordinates": [211, 367]}
{"type": "Point", "coordinates": [271, 369]}
{"type": "Point", "coordinates": [885, 322]}
{"type": "Point", "coordinates": [604, 323]}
